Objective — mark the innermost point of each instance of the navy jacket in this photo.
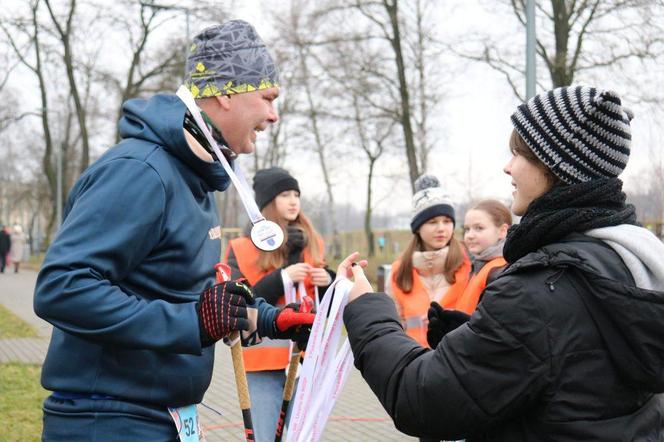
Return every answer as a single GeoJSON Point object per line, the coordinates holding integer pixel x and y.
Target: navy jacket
{"type": "Point", "coordinates": [137, 246]}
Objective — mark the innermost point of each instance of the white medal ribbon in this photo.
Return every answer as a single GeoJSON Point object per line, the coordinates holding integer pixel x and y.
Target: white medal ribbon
{"type": "Point", "coordinates": [265, 234]}
{"type": "Point", "coordinates": [325, 370]}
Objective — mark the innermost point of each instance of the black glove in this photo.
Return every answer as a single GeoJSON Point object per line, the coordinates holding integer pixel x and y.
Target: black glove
{"type": "Point", "coordinates": [222, 309]}
{"type": "Point", "coordinates": [441, 322]}
{"type": "Point", "coordinates": [295, 244]}
{"type": "Point", "coordinates": [291, 323]}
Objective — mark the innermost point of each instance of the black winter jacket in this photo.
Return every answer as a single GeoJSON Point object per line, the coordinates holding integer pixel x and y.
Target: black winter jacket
{"type": "Point", "coordinates": [563, 347]}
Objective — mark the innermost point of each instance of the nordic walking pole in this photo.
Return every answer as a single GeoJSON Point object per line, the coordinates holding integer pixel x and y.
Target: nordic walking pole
{"type": "Point", "coordinates": [224, 274]}
{"type": "Point", "coordinates": [289, 386]}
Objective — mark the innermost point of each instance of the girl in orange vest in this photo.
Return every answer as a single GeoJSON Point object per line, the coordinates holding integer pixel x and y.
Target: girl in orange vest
{"type": "Point", "coordinates": [299, 260]}
{"type": "Point", "coordinates": [485, 229]}
{"type": "Point", "coordinates": [434, 267]}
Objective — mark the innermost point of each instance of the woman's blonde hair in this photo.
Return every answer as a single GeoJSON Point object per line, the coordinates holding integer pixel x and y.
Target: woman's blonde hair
{"type": "Point", "coordinates": [268, 261]}
{"type": "Point", "coordinates": [497, 211]}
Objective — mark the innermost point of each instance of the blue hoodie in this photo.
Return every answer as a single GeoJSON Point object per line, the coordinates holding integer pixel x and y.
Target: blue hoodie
{"type": "Point", "coordinates": [136, 248]}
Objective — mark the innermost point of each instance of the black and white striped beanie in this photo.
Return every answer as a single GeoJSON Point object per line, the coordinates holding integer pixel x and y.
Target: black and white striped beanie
{"type": "Point", "coordinates": [429, 201]}
{"type": "Point", "coordinates": [578, 132]}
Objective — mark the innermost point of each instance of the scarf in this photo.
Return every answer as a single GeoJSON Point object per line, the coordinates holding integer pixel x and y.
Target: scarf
{"type": "Point", "coordinates": [430, 266]}
{"type": "Point", "coordinates": [430, 263]}
{"type": "Point", "coordinates": [566, 209]}
{"type": "Point", "coordinates": [493, 251]}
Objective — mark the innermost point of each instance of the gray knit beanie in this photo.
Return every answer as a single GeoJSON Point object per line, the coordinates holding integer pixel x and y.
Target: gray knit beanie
{"type": "Point", "coordinates": [580, 133]}
{"type": "Point", "coordinates": [429, 201]}
{"type": "Point", "coordinates": [229, 59]}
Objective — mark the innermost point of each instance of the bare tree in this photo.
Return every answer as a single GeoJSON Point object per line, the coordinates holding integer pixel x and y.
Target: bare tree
{"type": "Point", "coordinates": [151, 68]}
{"type": "Point", "coordinates": [373, 147]}
{"type": "Point", "coordinates": [402, 31]}
{"type": "Point", "coordinates": [65, 31]}
{"type": "Point", "coordinates": [291, 28]}
{"type": "Point", "coordinates": [31, 30]}
{"type": "Point", "coordinates": [278, 135]}
{"type": "Point", "coordinates": [385, 15]}
{"type": "Point", "coordinates": [371, 121]}
{"type": "Point", "coordinates": [575, 37]}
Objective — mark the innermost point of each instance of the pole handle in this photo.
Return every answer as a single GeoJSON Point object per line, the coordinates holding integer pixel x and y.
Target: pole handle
{"type": "Point", "coordinates": [223, 272]}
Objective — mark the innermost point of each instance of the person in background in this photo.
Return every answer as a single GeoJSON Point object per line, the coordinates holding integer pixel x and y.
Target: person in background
{"type": "Point", "coordinates": [17, 241]}
{"type": "Point", "coordinates": [300, 260]}
{"type": "Point", "coordinates": [566, 344]}
{"type": "Point", "coordinates": [434, 267]}
{"type": "Point", "coordinates": [485, 229]}
{"type": "Point", "coordinates": [5, 244]}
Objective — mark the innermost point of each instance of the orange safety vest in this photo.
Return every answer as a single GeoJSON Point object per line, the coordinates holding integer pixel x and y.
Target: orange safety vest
{"type": "Point", "coordinates": [269, 354]}
{"type": "Point", "coordinates": [415, 304]}
{"type": "Point", "coordinates": [470, 297]}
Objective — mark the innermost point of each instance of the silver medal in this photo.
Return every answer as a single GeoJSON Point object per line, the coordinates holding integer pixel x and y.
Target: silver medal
{"type": "Point", "coordinates": [267, 235]}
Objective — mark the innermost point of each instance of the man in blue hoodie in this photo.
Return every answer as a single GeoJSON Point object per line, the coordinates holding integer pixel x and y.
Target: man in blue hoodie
{"type": "Point", "coordinates": [128, 283]}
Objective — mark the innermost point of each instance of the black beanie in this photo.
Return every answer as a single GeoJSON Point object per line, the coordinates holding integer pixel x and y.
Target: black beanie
{"type": "Point", "coordinates": [268, 183]}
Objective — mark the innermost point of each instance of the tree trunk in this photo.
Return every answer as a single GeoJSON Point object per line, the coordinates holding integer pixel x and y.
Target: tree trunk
{"type": "Point", "coordinates": [47, 163]}
{"type": "Point", "coordinates": [411, 155]}
{"type": "Point", "coordinates": [561, 75]}
{"type": "Point", "coordinates": [320, 150]}
{"type": "Point", "coordinates": [65, 37]}
{"type": "Point", "coordinates": [371, 249]}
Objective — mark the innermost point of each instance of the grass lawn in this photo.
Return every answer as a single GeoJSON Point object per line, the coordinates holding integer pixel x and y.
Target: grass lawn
{"type": "Point", "coordinates": [11, 326]}
{"type": "Point", "coordinates": [21, 398]}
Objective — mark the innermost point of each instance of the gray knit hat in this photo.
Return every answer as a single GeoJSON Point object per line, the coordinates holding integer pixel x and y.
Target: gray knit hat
{"type": "Point", "coordinates": [229, 59]}
{"type": "Point", "coordinates": [578, 132]}
{"type": "Point", "coordinates": [429, 201]}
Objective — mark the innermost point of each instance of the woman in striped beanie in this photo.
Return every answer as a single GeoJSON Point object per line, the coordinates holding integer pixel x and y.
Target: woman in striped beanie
{"type": "Point", "coordinates": [566, 344]}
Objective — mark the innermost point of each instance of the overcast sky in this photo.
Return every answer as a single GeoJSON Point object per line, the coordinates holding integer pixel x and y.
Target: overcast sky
{"type": "Point", "coordinates": [472, 124]}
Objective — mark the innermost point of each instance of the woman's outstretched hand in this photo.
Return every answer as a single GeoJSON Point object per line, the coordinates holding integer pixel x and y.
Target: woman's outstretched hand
{"type": "Point", "coordinates": [349, 268]}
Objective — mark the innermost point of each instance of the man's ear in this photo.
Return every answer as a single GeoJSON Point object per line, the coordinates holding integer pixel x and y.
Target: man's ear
{"type": "Point", "coordinates": [224, 101]}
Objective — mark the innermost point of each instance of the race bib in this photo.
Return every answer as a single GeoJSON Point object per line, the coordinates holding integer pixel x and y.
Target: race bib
{"type": "Point", "coordinates": [187, 423]}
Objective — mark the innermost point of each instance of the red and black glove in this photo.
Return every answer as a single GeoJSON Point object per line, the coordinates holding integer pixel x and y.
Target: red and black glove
{"type": "Point", "coordinates": [441, 322]}
{"type": "Point", "coordinates": [222, 309]}
{"type": "Point", "coordinates": [294, 322]}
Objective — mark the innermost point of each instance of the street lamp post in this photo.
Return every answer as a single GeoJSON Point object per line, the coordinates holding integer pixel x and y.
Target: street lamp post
{"type": "Point", "coordinates": [530, 49]}
{"type": "Point", "coordinates": [187, 13]}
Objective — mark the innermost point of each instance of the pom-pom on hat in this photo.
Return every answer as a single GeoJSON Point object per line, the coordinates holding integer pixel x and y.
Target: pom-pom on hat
{"type": "Point", "coordinates": [579, 133]}
{"type": "Point", "coordinates": [429, 201]}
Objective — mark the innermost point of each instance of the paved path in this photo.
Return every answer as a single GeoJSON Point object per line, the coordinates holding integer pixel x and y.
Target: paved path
{"type": "Point", "coordinates": [357, 415]}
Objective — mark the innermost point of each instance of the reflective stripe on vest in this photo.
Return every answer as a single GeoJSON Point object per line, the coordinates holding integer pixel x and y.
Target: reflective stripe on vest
{"type": "Point", "coordinates": [415, 322]}
{"type": "Point", "coordinates": [470, 297]}
{"type": "Point", "coordinates": [415, 304]}
{"type": "Point", "coordinates": [269, 354]}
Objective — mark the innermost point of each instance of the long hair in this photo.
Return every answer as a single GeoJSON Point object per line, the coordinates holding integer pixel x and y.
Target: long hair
{"type": "Point", "coordinates": [268, 261]}
{"type": "Point", "coordinates": [404, 274]}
